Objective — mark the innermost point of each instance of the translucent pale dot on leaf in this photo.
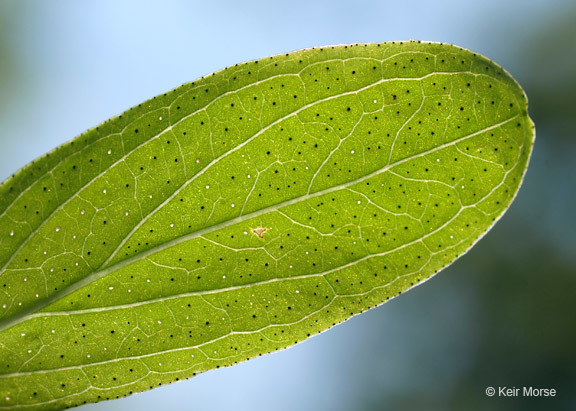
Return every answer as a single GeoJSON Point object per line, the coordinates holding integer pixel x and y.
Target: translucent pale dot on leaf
{"type": "Point", "coordinates": [110, 288]}
{"type": "Point", "coordinates": [37, 295]}
{"type": "Point", "coordinates": [53, 331]}
{"type": "Point", "coordinates": [352, 151]}
{"type": "Point", "coordinates": [160, 118]}
{"type": "Point", "coordinates": [74, 236]}
{"type": "Point", "coordinates": [438, 160]}
{"type": "Point", "coordinates": [249, 176]}
{"type": "Point", "coordinates": [197, 161]}
{"type": "Point", "coordinates": [29, 351]}
{"type": "Point", "coordinates": [297, 291]}
{"type": "Point", "coordinates": [126, 213]}
{"type": "Point", "coordinates": [87, 355]}
{"type": "Point", "coordinates": [207, 186]}
{"type": "Point", "coordinates": [23, 334]}
{"type": "Point", "coordinates": [52, 270]}
{"type": "Point", "coordinates": [3, 305]}
{"type": "Point", "coordinates": [45, 252]}
{"type": "Point", "coordinates": [233, 205]}
{"type": "Point", "coordinates": [223, 276]}
{"type": "Point", "coordinates": [159, 322]}
{"type": "Point", "coordinates": [375, 101]}
{"type": "Point", "coordinates": [104, 191]}
{"type": "Point", "coordinates": [359, 202]}
{"type": "Point", "coordinates": [82, 212]}
{"type": "Point", "coordinates": [20, 303]}
{"type": "Point", "coordinates": [172, 225]}
{"type": "Point", "coordinates": [57, 229]}
{"type": "Point", "coordinates": [245, 232]}
{"type": "Point", "coordinates": [109, 151]}
{"type": "Point", "coordinates": [12, 232]}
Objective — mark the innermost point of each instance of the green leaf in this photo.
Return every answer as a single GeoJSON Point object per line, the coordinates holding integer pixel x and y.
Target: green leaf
{"type": "Point", "coordinates": [247, 211]}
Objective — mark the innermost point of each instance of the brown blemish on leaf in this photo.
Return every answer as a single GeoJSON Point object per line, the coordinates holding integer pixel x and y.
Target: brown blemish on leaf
{"type": "Point", "coordinates": [259, 231]}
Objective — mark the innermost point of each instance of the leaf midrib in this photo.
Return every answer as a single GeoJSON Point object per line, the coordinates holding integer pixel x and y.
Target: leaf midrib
{"type": "Point", "coordinates": [24, 314]}
{"type": "Point", "coordinates": [256, 135]}
{"type": "Point", "coordinates": [320, 274]}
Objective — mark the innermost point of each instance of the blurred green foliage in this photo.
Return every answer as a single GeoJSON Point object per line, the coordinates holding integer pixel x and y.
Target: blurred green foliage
{"type": "Point", "coordinates": [549, 65]}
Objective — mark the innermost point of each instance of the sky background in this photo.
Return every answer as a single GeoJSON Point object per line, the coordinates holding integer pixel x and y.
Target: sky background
{"type": "Point", "coordinates": [501, 316]}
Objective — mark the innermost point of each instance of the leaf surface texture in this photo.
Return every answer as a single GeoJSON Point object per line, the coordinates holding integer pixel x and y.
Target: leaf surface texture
{"type": "Point", "coordinates": [244, 212]}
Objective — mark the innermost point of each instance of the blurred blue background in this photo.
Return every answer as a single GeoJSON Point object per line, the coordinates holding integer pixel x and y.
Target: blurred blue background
{"type": "Point", "coordinates": [502, 316]}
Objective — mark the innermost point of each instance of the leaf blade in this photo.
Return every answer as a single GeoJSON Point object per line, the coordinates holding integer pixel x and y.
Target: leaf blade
{"type": "Point", "coordinates": [399, 122]}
